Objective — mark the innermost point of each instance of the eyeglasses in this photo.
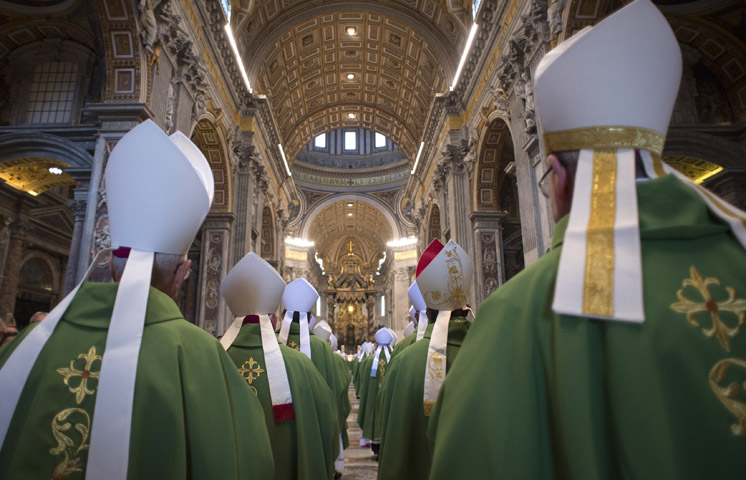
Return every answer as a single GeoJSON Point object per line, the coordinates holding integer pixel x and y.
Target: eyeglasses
{"type": "Point", "coordinates": [544, 184]}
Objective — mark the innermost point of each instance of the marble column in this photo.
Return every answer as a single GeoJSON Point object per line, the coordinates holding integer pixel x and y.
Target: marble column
{"type": "Point", "coordinates": [12, 269]}
{"type": "Point", "coordinates": [216, 234]}
{"type": "Point", "coordinates": [490, 263]}
{"type": "Point", "coordinates": [78, 207]}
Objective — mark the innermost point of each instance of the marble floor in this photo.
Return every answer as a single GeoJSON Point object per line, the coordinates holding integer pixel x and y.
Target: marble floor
{"type": "Point", "coordinates": [360, 463]}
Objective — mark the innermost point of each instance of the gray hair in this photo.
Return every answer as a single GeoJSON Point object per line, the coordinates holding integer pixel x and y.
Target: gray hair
{"type": "Point", "coordinates": [164, 264]}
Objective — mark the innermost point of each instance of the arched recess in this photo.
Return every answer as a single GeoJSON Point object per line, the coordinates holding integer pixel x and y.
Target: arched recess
{"type": "Point", "coordinates": [493, 189]}
{"type": "Point", "coordinates": [373, 201]}
{"type": "Point", "coordinates": [212, 143]}
{"type": "Point", "coordinates": [268, 236]}
{"type": "Point", "coordinates": [727, 154]}
{"type": "Point", "coordinates": [25, 159]}
{"type": "Point", "coordinates": [38, 286]}
{"type": "Point", "coordinates": [433, 224]}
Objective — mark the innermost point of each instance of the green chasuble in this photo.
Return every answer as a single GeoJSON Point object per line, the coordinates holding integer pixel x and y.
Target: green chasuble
{"type": "Point", "coordinates": [344, 398]}
{"type": "Point", "coordinates": [404, 452]}
{"type": "Point", "coordinates": [302, 446]}
{"type": "Point", "coordinates": [404, 343]}
{"type": "Point", "coordinates": [539, 395]}
{"type": "Point", "coordinates": [356, 375]}
{"type": "Point", "coordinates": [369, 387]}
{"type": "Point", "coordinates": [321, 356]}
{"type": "Point", "coordinates": [193, 415]}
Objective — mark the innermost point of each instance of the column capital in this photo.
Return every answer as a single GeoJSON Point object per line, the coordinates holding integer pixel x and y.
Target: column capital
{"type": "Point", "coordinates": [78, 208]}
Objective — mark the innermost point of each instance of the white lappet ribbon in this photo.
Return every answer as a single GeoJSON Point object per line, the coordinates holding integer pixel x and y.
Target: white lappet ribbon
{"type": "Point", "coordinates": [600, 268]}
{"type": "Point", "coordinates": [277, 375]}
{"type": "Point", "coordinates": [435, 369]}
{"type": "Point", "coordinates": [421, 324]}
{"type": "Point", "coordinates": [374, 368]}
{"type": "Point", "coordinates": [305, 338]}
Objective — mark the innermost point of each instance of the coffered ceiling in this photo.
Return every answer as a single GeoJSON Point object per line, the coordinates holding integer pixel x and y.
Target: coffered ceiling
{"type": "Point", "coordinates": [334, 64]}
{"type": "Point", "coordinates": [339, 221]}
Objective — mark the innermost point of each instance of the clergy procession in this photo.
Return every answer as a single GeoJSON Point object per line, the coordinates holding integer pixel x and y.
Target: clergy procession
{"type": "Point", "coordinates": [617, 354]}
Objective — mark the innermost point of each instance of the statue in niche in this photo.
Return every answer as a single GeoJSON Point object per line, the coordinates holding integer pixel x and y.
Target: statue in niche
{"type": "Point", "coordinates": [525, 90]}
{"type": "Point", "coordinates": [149, 32]}
{"type": "Point", "coordinates": [555, 18]}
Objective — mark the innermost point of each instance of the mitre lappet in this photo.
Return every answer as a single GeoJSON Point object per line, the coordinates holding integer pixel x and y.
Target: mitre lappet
{"type": "Point", "coordinates": [418, 303]}
{"type": "Point", "coordinates": [158, 190]}
{"type": "Point", "coordinates": [443, 276]}
{"type": "Point", "coordinates": [253, 287]}
{"type": "Point", "coordinates": [619, 101]}
{"type": "Point", "coordinates": [299, 296]}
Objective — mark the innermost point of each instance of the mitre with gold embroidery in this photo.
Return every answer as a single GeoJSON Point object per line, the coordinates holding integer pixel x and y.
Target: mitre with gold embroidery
{"type": "Point", "coordinates": [444, 275]}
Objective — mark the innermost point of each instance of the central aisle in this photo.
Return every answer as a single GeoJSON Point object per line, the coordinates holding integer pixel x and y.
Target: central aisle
{"type": "Point", "coordinates": [360, 463]}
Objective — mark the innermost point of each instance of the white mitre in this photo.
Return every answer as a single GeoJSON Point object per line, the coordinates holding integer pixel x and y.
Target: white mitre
{"type": "Point", "coordinates": [322, 330]}
{"type": "Point", "coordinates": [409, 329]}
{"type": "Point", "coordinates": [299, 296]}
{"type": "Point", "coordinates": [253, 287]}
{"type": "Point", "coordinates": [444, 275]}
{"type": "Point", "coordinates": [158, 191]}
{"type": "Point", "coordinates": [418, 303]}
{"type": "Point", "coordinates": [384, 336]}
{"type": "Point", "coordinates": [608, 91]}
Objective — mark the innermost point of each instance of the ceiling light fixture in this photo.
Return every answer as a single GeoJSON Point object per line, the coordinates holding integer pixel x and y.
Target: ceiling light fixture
{"type": "Point", "coordinates": [284, 160]}
{"type": "Point", "coordinates": [234, 46]}
{"type": "Point", "coordinates": [349, 204]}
{"type": "Point", "coordinates": [55, 171]}
{"type": "Point", "coordinates": [350, 76]}
{"type": "Point", "coordinates": [417, 160]}
{"type": "Point", "coordinates": [351, 115]}
{"type": "Point", "coordinates": [351, 29]}
{"type": "Point", "coordinates": [349, 214]}
{"type": "Point", "coordinates": [469, 41]}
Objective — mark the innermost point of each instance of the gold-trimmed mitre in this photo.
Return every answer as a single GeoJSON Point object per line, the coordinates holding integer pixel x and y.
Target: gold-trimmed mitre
{"type": "Point", "coordinates": [607, 91]}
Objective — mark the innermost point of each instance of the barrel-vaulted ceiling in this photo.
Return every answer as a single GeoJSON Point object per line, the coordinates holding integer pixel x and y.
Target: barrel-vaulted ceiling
{"type": "Point", "coordinates": [337, 64]}
{"type": "Point", "coordinates": [350, 218]}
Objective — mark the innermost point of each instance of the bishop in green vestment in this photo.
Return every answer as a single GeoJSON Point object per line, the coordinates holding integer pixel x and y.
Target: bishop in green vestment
{"type": "Point", "coordinates": [372, 374]}
{"type": "Point", "coordinates": [193, 414]}
{"type": "Point", "coordinates": [404, 451]}
{"type": "Point", "coordinates": [415, 376]}
{"type": "Point", "coordinates": [594, 394]}
{"type": "Point", "coordinates": [303, 446]}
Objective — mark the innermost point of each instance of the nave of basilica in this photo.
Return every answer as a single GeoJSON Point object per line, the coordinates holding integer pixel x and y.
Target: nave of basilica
{"type": "Point", "coordinates": [341, 138]}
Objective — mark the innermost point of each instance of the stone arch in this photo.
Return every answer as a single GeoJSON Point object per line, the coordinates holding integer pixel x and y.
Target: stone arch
{"type": "Point", "coordinates": [496, 151]}
{"type": "Point", "coordinates": [212, 143]}
{"type": "Point", "coordinates": [728, 155]}
{"type": "Point", "coordinates": [373, 201]}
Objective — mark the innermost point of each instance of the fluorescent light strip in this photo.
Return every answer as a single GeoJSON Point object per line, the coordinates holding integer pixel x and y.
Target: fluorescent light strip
{"type": "Point", "coordinates": [234, 46]}
{"type": "Point", "coordinates": [417, 159]}
{"type": "Point", "coordinates": [469, 41]}
{"type": "Point", "coordinates": [284, 159]}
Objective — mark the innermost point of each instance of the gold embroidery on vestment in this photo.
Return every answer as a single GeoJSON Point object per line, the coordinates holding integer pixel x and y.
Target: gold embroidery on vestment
{"type": "Point", "coordinates": [719, 329]}
{"type": "Point", "coordinates": [428, 407]}
{"type": "Point", "coordinates": [456, 296]}
{"type": "Point", "coordinates": [727, 395]}
{"type": "Point", "coordinates": [85, 375]}
{"type": "Point", "coordinates": [250, 370]}
{"type": "Point", "coordinates": [294, 346]}
{"type": "Point", "coordinates": [72, 462]}
{"type": "Point", "coordinates": [604, 138]}
{"type": "Point", "coordinates": [598, 282]}
{"type": "Point", "coordinates": [382, 369]}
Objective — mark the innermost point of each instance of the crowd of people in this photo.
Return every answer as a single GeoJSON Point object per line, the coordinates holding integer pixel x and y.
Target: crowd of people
{"type": "Point", "coordinates": [619, 354]}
